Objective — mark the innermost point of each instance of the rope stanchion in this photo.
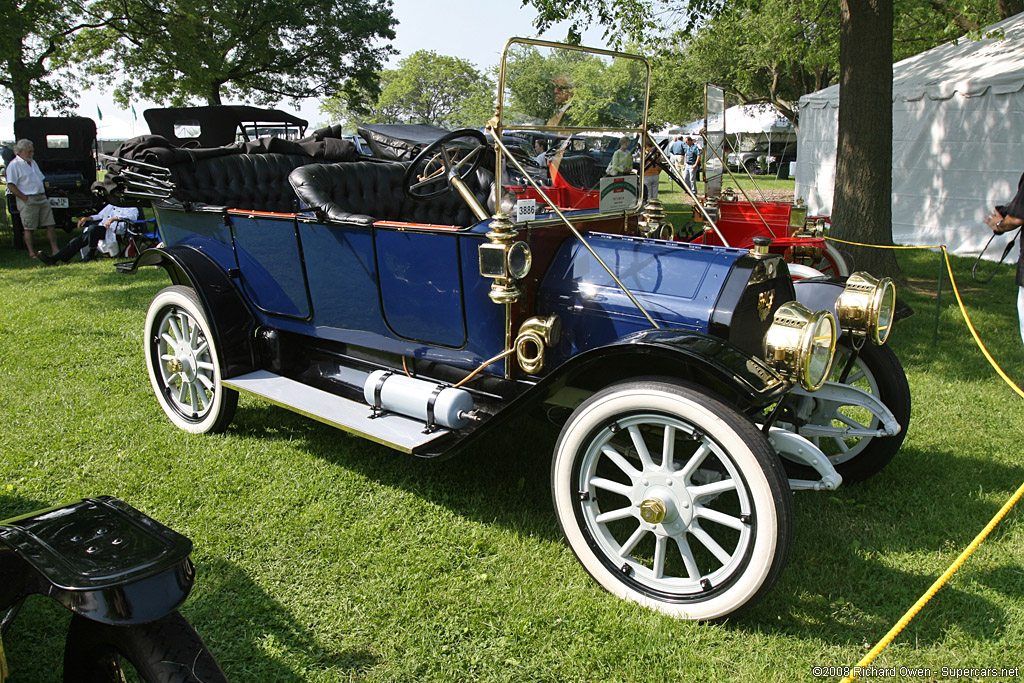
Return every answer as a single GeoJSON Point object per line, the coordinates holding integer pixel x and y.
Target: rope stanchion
{"type": "Point", "coordinates": [946, 575]}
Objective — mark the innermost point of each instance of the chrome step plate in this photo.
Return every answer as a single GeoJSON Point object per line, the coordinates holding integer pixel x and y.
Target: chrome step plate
{"type": "Point", "coordinates": [398, 432]}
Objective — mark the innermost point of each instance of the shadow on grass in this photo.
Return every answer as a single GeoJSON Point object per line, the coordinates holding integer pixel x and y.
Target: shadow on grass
{"type": "Point", "coordinates": [843, 578]}
{"type": "Point", "coordinates": [248, 647]}
{"type": "Point", "coordinates": [518, 459]}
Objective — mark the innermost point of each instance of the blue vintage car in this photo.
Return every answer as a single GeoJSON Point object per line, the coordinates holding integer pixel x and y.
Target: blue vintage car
{"type": "Point", "coordinates": [421, 304]}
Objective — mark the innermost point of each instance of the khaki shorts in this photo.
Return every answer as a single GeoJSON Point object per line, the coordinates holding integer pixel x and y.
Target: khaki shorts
{"type": "Point", "coordinates": [35, 213]}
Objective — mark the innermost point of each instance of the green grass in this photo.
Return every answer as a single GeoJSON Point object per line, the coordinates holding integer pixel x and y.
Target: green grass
{"type": "Point", "coordinates": [322, 557]}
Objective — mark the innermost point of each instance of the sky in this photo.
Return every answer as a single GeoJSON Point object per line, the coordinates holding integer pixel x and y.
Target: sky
{"type": "Point", "coordinates": [451, 27]}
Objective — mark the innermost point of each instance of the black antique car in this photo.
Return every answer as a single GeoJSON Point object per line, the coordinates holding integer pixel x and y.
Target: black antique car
{"type": "Point", "coordinates": [223, 124]}
{"type": "Point", "coordinates": [423, 303]}
{"type": "Point", "coordinates": [65, 149]}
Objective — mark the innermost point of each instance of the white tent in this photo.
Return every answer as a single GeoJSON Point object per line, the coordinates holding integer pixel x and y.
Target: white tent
{"type": "Point", "coordinates": [958, 140]}
{"type": "Point", "coordinates": [750, 119]}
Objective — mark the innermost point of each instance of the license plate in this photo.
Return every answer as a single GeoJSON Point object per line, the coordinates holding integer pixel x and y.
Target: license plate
{"type": "Point", "coordinates": [59, 202]}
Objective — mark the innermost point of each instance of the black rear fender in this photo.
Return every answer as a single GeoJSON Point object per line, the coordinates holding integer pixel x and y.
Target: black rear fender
{"type": "Point", "coordinates": [231, 321]}
{"type": "Point", "coordinates": [100, 558]}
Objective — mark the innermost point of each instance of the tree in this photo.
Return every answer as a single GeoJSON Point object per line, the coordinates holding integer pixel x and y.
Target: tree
{"type": "Point", "coordinates": [34, 37]}
{"type": "Point", "coordinates": [425, 88]}
{"type": "Point", "coordinates": [863, 200]}
{"type": "Point", "coordinates": [259, 51]}
{"type": "Point", "coordinates": [862, 208]}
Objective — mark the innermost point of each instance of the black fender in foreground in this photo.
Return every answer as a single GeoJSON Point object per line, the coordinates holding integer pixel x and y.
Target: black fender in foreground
{"type": "Point", "coordinates": [231, 321]}
{"type": "Point", "coordinates": [99, 557]}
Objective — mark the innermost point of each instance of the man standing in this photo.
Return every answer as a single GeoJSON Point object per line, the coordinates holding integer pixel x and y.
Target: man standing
{"type": "Point", "coordinates": [26, 182]}
{"type": "Point", "coordinates": [691, 163]}
{"type": "Point", "coordinates": [1006, 218]}
{"type": "Point", "coordinates": [675, 149]}
{"type": "Point", "coordinates": [652, 171]}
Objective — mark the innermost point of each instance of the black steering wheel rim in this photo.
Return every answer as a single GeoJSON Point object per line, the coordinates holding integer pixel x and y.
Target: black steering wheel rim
{"type": "Point", "coordinates": [437, 149]}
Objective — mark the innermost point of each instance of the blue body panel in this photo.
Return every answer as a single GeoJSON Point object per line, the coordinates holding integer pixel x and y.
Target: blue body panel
{"type": "Point", "coordinates": [418, 292]}
{"type": "Point", "coordinates": [678, 283]}
{"type": "Point", "coordinates": [270, 265]}
{"type": "Point", "coordinates": [412, 292]}
{"type": "Point", "coordinates": [420, 286]}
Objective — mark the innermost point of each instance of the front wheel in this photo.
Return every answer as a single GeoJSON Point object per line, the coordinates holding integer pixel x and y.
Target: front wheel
{"type": "Point", "coordinates": [184, 365]}
{"type": "Point", "coordinates": [167, 650]}
{"type": "Point", "coordinates": [672, 499]}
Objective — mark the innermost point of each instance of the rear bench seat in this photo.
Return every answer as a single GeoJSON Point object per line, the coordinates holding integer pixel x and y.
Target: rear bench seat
{"type": "Point", "coordinates": [253, 182]}
{"type": "Point", "coordinates": [361, 192]}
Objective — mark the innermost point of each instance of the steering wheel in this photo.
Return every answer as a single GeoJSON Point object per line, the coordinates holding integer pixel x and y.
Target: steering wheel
{"type": "Point", "coordinates": [431, 173]}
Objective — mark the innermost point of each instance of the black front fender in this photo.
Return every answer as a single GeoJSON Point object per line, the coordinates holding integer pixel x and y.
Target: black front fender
{"type": "Point", "coordinates": [732, 374]}
{"type": "Point", "coordinates": [709, 361]}
{"type": "Point", "coordinates": [231, 321]}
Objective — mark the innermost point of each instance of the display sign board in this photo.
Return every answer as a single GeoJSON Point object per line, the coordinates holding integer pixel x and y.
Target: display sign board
{"type": "Point", "coordinates": [619, 193]}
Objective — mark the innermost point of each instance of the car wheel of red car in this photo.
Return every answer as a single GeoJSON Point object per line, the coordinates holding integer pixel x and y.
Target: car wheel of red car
{"type": "Point", "coordinates": [832, 262]}
{"type": "Point", "coordinates": [672, 499]}
{"type": "Point", "coordinates": [184, 364]}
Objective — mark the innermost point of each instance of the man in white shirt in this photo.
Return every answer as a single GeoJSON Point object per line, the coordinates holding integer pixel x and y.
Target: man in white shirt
{"type": "Point", "coordinates": [26, 183]}
{"type": "Point", "coordinates": [101, 235]}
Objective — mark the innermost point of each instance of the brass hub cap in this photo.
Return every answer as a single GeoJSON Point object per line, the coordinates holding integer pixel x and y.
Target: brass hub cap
{"type": "Point", "coordinates": [652, 510]}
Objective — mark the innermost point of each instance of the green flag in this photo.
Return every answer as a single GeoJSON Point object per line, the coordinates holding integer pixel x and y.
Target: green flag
{"type": "Point", "coordinates": [135, 117]}
{"type": "Point", "coordinates": [99, 114]}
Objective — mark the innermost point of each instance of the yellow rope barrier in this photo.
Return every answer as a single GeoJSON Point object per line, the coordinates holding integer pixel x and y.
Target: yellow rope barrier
{"type": "Point", "coordinates": [912, 612]}
{"type": "Point", "coordinates": [960, 302]}
{"type": "Point", "coordinates": [941, 581]}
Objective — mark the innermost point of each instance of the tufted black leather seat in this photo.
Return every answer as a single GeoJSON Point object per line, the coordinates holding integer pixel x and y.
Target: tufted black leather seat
{"type": "Point", "coordinates": [257, 182]}
{"type": "Point", "coordinates": [362, 192]}
{"type": "Point", "coordinates": [581, 170]}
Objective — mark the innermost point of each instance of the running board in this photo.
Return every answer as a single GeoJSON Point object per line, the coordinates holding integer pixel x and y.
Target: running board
{"type": "Point", "coordinates": [398, 432]}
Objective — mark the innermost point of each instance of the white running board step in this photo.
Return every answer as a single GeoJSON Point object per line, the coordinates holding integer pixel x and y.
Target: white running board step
{"type": "Point", "coordinates": [401, 433]}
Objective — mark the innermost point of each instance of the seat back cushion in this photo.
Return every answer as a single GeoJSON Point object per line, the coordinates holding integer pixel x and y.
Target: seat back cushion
{"type": "Point", "coordinates": [362, 192]}
{"type": "Point", "coordinates": [257, 182]}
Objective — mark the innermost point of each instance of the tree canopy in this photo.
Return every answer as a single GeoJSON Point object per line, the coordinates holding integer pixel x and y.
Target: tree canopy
{"type": "Point", "coordinates": [34, 40]}
{"type": "Point", "coordinates": [425, 87]}
{"type": "Point", "coordinates": [261, 51]}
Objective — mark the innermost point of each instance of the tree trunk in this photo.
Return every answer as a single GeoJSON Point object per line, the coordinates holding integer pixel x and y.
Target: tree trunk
{"type": "Point", "coordinates": [1007, 8]}
{"type": "Point", "coordinates": [862, 210]}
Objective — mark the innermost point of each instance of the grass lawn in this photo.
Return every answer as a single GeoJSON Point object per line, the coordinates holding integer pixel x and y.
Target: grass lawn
{"type": "Point", "coordinates": [323, 557]}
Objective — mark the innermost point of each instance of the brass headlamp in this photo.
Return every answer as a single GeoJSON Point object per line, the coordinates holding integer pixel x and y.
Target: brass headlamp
{"type": "Point", "coordinates": [504, 260]}
{"type": "Point", "coordinates": [867, 306]}
{"type": "Point", "coordinates": [800, 344]}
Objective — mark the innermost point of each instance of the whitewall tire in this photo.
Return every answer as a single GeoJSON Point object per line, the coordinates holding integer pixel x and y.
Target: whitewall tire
{"type": "Point", "coordinates": [672, 499]}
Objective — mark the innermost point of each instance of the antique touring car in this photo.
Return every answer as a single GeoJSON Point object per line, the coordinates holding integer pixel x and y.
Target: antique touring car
{"type": "Point", "coordinates": [422, 303]}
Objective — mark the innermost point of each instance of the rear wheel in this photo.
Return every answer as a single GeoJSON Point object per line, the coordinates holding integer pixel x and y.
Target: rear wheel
{"type": "Point", "coordinates": [184, 365]}
{"type": "Point", "coordinates": [672, 499]}
{"type": "Point", "coordinates": [167, 650]}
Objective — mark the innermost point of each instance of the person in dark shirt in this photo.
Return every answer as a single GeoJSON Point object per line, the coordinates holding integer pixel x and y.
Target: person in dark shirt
{"type": "Point", "coordinates": [1006, 218]}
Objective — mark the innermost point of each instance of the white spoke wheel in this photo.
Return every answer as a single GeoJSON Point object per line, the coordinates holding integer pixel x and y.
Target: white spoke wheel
{"type": "Point", "coordinates": [878, 372]}
{"type": "Point", "coordinates": [672, 499]}
{"type": "Point", "coordinates": [183, 363]}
